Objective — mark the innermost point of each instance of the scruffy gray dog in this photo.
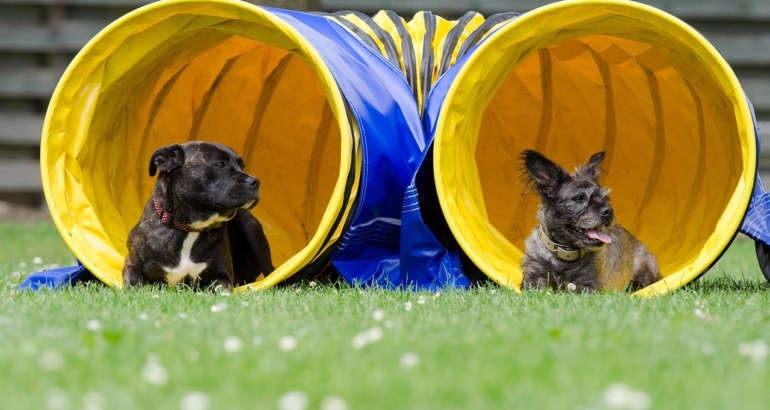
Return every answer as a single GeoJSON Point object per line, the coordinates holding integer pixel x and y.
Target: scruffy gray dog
{"type": "Point", "coordinates": [577, 245]}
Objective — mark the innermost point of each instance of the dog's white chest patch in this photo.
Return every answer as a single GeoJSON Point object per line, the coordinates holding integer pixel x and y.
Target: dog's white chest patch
{"type": "Point", "coordinates": [186, 265]}
{"type": "Point", "coordinates": [216, 218]}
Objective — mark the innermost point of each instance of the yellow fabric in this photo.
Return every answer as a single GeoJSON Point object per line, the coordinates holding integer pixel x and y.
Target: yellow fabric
{"type": "Point", "coordinates": [223, 71]}
{"type": "Point", "coordinates": [416, 30]}
{"type": "Point", "coordinates": [387, 24]}
{"type": "Point", "coordinates": [577, 77]}
{"type": "Point", "coordinates": [469, 28]}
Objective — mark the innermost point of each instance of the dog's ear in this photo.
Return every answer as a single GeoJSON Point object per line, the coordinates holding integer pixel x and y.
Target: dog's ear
{"type": "Point", "coordinates": [545, 174]}
{"type": "Point", "coordinates": [591, 169]}
{"type": "Point", "coordinates": [166, 159]}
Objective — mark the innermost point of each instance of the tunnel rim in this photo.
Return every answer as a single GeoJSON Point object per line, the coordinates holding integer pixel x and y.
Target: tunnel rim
{"type": "Point", "coordinates": [510, 34]}
{"type": "Point", "coordinates": [69, 85]}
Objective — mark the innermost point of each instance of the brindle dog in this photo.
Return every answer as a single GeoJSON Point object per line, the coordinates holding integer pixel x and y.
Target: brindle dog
{"type": "Point", "coordinates": [577, 245]}
{"type": "Point", "coordinates": [197, 229]}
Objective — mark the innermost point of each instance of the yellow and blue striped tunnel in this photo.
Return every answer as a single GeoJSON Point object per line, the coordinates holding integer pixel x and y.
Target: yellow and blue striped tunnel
{"type": "Point", "coordinates": [388, 148]}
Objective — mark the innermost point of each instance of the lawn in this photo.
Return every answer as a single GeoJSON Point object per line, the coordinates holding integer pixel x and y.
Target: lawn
{"type": "Point", "coordinates": [329, 348]}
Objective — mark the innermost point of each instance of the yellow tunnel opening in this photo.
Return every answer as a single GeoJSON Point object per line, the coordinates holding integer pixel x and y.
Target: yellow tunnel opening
{"type": "Point", "coordinates": [219, 71]}
{"type": "Point", "coordinates": [575, 78]}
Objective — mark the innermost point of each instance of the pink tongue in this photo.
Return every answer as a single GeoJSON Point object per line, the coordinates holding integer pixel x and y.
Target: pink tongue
{"type": "Point", "coordinates": [599, 236]}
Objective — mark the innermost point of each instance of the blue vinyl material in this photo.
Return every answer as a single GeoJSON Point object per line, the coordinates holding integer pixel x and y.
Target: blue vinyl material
{"type": "Point", "coordinates": [431, 262]}
{"type": "Point", "coordinates": [392, 141]}
{"type": "Point", "coordinates": [55, 278]}
{"type": "Point", "coordinates": [756, 224]}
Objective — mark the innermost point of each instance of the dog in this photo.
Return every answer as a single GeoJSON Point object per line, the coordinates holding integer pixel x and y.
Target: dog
{"type": "Point", "coordinates": [577, 244]}
{"type": "Point", "coordinates": [197, 229]}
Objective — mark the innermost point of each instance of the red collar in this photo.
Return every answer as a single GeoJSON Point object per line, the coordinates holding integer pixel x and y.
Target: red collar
{"type": "Point", "coordinates": [168, 220]}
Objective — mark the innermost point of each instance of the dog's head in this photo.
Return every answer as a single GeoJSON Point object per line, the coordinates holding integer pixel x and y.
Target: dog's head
{"type": "Point", "coordinates": [205, 176]}
{"type": "Point", "coordinates": [574, 208]}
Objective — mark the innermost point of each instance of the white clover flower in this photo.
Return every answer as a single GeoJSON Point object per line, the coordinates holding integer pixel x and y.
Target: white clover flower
{"type": "Point", "coordinates": [293, 400]}
{"type": "Point", "coordinates": [51, 361]}
{"type": "Point", "coordinates": [421, 300]}
{"type": "Point", "coordinates": [16, 275]}
{"type": "Point", "coordinates": [571, 287]}
{"type": "Point", "coordinates": [22, 265]}
{"type": "Point", "coordinates": [94, 325]}
{"type": "Point", "coordinates": [182, 315]}
{"type": "Point", "coordinates": [334, 403]}
{"type": "Point", "coordinates": [143, 316]}
{"type": "Point", "coordinates": [621, 397]}
{"type": "Point", "coordinates": [37, 260]}
{"type": "Point", "coordinates": [312, 284]}
{"type": "Point", "coordinates": [408, 306]}
{"type": "Point", "coordinates": [57, 399]}
{"type": "Point", "coordinates": [374, 334]}
{"type": "Point", "coordinates": [409, 360]}
{"type": "Point", "coordinates": [233, 344]}
{"type": "Point", "coordinates": [154, 373]}
{"type": "Point", "coordinates": [219, 307]}
{"type": "Point", "coordinates": [359, 341]}
{"type": "Point", "coordinates": [378, 315]}
{"type": "Point", "coordinates": [93, 401]}
{"type": "Point", "coordinates": [708, 348]}
{"type": "Point", "coordinates": [757, 350]}
{"type": "Point", "coordinates": [195, 400]}
{"type": "Point", "coordinates": [287, 343]}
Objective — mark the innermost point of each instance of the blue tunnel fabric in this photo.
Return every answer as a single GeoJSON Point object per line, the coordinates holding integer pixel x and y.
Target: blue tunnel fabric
{"type": "Point", "coordinates": [756, 224]}
{"type": "Point", "coordinates": [433, 263]}
{"type": "Point", "coordinates": [56, 278]}
{"type": "Point", "coordinates": [392, 140]}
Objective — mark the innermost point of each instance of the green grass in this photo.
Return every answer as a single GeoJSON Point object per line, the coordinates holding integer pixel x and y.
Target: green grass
{"type": "Point", "coordinates": [484, 348]}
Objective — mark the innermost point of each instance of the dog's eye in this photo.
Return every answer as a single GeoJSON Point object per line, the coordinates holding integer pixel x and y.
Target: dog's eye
{"type": "Point", "coordinates": [220, 164]}
{"type": "Point", "coordinates": [579, 198]}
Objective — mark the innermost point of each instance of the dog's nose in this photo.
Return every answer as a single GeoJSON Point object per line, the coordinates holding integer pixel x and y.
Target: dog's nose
{"type": "Point", "coordinates": [606, 211]}
{"type": "Point", "coordinates": [251, 181]}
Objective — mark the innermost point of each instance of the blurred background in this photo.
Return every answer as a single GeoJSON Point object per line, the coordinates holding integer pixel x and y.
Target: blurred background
{"type": "Point", "coordinates": [38, 39]}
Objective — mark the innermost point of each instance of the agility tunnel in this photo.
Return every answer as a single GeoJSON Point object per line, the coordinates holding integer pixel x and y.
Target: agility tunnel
{"type": "Point", "coordinates": [327, 126]}
{"type": "Point", "coordinates": [574, 78]}
{"type": "Point", "coordinates": [388, 149]}
{"type": "Point", "coordinates": [571, 79]}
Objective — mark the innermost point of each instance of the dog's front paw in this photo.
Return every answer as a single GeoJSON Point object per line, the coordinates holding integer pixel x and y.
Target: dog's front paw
{"type": "Point", "coordinates": [132, 276]}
